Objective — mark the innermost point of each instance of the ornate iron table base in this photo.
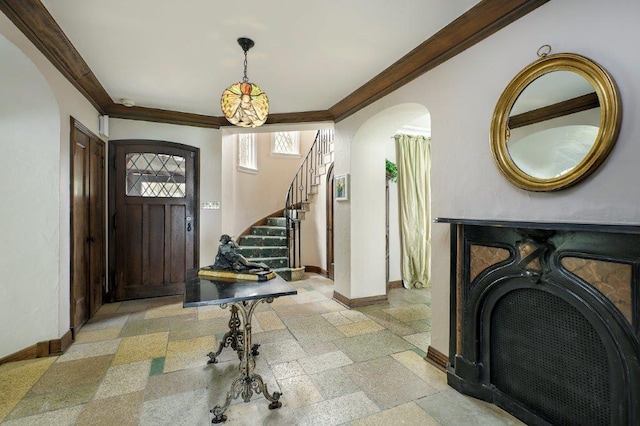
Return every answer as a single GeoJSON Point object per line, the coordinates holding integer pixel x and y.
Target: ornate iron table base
{"type": "Point", "coordinates": [234, 338]}
{"type": "Point", "coordinates": [248, 382]}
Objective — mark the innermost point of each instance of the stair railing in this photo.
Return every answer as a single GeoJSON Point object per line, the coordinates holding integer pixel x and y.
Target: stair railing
{"type": "Point", "coordinates": [297, 198]}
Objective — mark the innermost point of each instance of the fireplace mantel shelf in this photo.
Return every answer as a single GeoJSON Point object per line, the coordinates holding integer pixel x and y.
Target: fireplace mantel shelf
{"type": "Point", "coordinates": [620, 228]}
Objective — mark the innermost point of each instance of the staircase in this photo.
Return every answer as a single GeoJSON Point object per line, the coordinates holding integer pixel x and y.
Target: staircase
{"type": "Point", "coordinates": [268, 244]}
{"type": "Point", "coordinates": [276, 242]}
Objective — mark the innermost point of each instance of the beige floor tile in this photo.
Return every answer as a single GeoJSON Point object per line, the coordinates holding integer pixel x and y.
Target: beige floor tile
{"type": "Point", "coordinates": [181, 381]}
{"type": "Point", "coordinates": [336, 411]}
{"type": "Point", "coordinates": [71, 374]}
{"type": "Point", "coordinates": [410, 313]}
{"type": "Point", "coordinates": [287, 369]}
{"type": "Point", "coordinates": [427, 372]}
{"type": "Point", "coordinates": [87, 336]}
{"type": "Point", "coordinates": [213, 311]}
{"type": "Point", "coordinates": [269, 321]}
{"type": "Point", "coordinates": [283, 301]}
{"type": "Point", "coordinates": [419, 340]}
{"type": "Point", "coordinates": [358, 328]}
{"type": "Point", "coordinates": [187, 408]}
{"type": "Point", "coordinates": [89, 350]}
{"type": "Point", "coordinates": [298, 391]}
{"type": "Point", "coordinates": [16, 378]}
{"type": "Point", "coordinates": [189, 353]}
{"type": "Point", "coordinates": [121, 410]}
{"type": "Point", "coordinates": [108, 308]}
{"type": "Point", "coordinates": [334, 383]}
{"type": "Point", "coordinates": [331, 306]}
{"type": "Point", "coordinates": [116, 320]}
{"type": "Point", "coordinates": [63, 417]}
{"type": "Point", "coordinates": [124, 379]}
{"type": "Point", "coordinates": [138, 348]}
{"type": "Point", "coordinates": [56, 399]}
{"type": "Point", "coordinates": [319, 363]}
{"type": "Point", "coordinates": [354, 315]}
{"type": "Point", "coordinates": [387, 382]}
{"type": "Point", "coordinates": [406, 414]}
{"type": "Point", "coordinates": [336, 318]}
{"type": "Point", "coordinates": [169, 311]}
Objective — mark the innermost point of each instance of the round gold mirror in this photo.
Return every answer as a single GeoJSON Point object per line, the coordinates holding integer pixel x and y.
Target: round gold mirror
{"type": "Point", "coordinates": [555, 123]}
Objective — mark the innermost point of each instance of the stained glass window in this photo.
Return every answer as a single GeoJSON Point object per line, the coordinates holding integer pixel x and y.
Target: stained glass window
{"type": "Point", "coordinates": [155, 175]}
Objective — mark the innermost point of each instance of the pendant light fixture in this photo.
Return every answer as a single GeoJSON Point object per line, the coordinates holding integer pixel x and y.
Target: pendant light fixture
{"type": "Point", "coordinates": [243, 103]}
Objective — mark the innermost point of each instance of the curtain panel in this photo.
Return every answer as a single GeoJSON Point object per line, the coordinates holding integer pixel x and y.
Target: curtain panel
{"type": "Point", "coordinates": [414, 168]}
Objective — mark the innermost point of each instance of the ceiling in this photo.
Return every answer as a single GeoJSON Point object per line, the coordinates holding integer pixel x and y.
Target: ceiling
{"type": "Point", "coordinates": [316, 60]}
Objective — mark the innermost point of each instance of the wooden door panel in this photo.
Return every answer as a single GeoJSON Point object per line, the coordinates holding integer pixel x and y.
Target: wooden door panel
{"type": "Point", "coordinates": [97, 255]}
{"type": "Point", "coordinates": [88, 255]}
{"type": "Point", "coordinates": [132, 258]}
{"type": "Point", "coordinates": [80, 232]}
{"type": "Point", "coordinates": [177, 243]}
{"type": "Point", "coordinates": [154, 243]}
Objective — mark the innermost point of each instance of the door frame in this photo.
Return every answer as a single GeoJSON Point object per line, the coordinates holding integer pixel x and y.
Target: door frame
{"type": "Point", "coordinates": [329, 200]}
{"type": "Point", "coordinates": [75, 126]}
{"type": "Point", "coordinates": [111, 294]}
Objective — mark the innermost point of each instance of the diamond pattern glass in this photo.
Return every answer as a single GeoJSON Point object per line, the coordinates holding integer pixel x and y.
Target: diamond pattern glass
{"type": "Point", "coordinates": [285, 143]}
{"type": "Point", "coordinates": [155, 175]}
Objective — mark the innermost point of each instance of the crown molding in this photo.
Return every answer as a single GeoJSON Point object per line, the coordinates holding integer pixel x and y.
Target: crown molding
{"type": "Point", "coordinates": [479, 22]}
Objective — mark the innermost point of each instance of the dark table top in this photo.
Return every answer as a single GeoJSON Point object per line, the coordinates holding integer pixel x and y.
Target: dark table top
{"type": "Point", "coordinates": [199, 291]}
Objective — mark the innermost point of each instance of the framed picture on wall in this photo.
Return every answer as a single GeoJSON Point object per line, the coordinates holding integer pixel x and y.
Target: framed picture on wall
{"type": "Point", "coordinates": [341, 189]}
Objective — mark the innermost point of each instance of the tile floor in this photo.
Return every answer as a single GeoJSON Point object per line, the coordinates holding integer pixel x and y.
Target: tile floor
{"type": "Point", "coordinates": [144, 363]}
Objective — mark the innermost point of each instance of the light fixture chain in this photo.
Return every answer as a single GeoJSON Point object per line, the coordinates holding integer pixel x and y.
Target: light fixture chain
{"type": "Point", "coordinates": [245, 79]}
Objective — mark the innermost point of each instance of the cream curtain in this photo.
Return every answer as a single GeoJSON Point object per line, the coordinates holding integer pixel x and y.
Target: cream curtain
{"type": "Point", "coordinates": [414, 167]}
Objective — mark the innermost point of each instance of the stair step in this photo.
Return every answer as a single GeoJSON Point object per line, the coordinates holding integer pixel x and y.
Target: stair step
{"type": "Point", "coordinates": [271, 262]}
{"type": "Point", "coordinates": [276, 221]}
{"type": "Point", "coordinates": [260, 252]}
{"type": "Point", "coordinates": [328, 158]}
{"type": "Point", "coordinates": [279, 231]}
{"type": "Point", "coordinates": [305, 205]}
{"type": "Point", "coordinates": [322, 169]}
{"type": "Point", "coordinates": [262, 240]}
{"type": "Point", "coordinates": [290, 274]}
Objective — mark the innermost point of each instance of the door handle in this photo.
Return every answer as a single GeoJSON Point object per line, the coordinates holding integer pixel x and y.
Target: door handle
{"type": "Point", "coordinates": [91, 240]}
{"type": "Point", "coordinates": [188, 223]}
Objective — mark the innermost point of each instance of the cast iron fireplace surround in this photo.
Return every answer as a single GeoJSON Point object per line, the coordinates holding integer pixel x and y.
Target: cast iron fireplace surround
{"type": "Point", "coordinates": [544, 319]}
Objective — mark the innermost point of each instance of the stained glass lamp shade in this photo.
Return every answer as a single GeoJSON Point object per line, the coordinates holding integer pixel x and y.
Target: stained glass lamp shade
{"type": "Point", "coordinates": [243, 103]}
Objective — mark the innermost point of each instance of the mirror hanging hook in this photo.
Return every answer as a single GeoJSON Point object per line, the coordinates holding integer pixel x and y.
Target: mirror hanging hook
{"type": "Point", "coordinates": [543, 51]}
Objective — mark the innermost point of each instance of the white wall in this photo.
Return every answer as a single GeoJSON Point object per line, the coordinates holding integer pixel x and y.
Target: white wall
{"type": "Point", "coordinates": [461, 95]}
{"type": "Point", "coordinates": [257, 195]}
{"type": "Point", "coordinates": [51, 317]}
{"type": "Point", "coordinates": [210, 144]}
{"type": "Point", "coordinates": [29, 169]}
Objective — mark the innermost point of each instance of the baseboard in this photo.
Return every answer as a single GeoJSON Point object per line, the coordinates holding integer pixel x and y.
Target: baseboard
{"type": "Point", "coordinates": [41, 349]}
{"type": "Point", "coordinates": [437, 358]}
{"type": "Point", "coordinates": [315, 269]}
{"type": "Point", "coordinates": [395, 284]}
{"type": "Point", "coordinates": [359, 302]}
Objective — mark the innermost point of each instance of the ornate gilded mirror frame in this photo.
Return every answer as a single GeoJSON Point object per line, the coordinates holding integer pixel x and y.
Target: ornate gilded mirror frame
{"type": "Point", "coordinates": [610, 119]}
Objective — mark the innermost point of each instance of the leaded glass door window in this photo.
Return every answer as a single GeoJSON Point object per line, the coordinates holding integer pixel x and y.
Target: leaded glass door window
{"type": "Point", "coordinates": [155, 175]}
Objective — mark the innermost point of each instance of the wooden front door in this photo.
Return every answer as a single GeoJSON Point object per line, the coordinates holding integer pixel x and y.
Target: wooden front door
{"type": "Point", "coordinates": [154, 217]}
{"type": "Point", "coordinates": [330, 198]}
{"type": "Point", "coordinates": [88, 260]}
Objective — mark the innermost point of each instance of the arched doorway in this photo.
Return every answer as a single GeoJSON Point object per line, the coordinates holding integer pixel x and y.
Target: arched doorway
{"type": "Point", "coordinates": [361, 274]}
